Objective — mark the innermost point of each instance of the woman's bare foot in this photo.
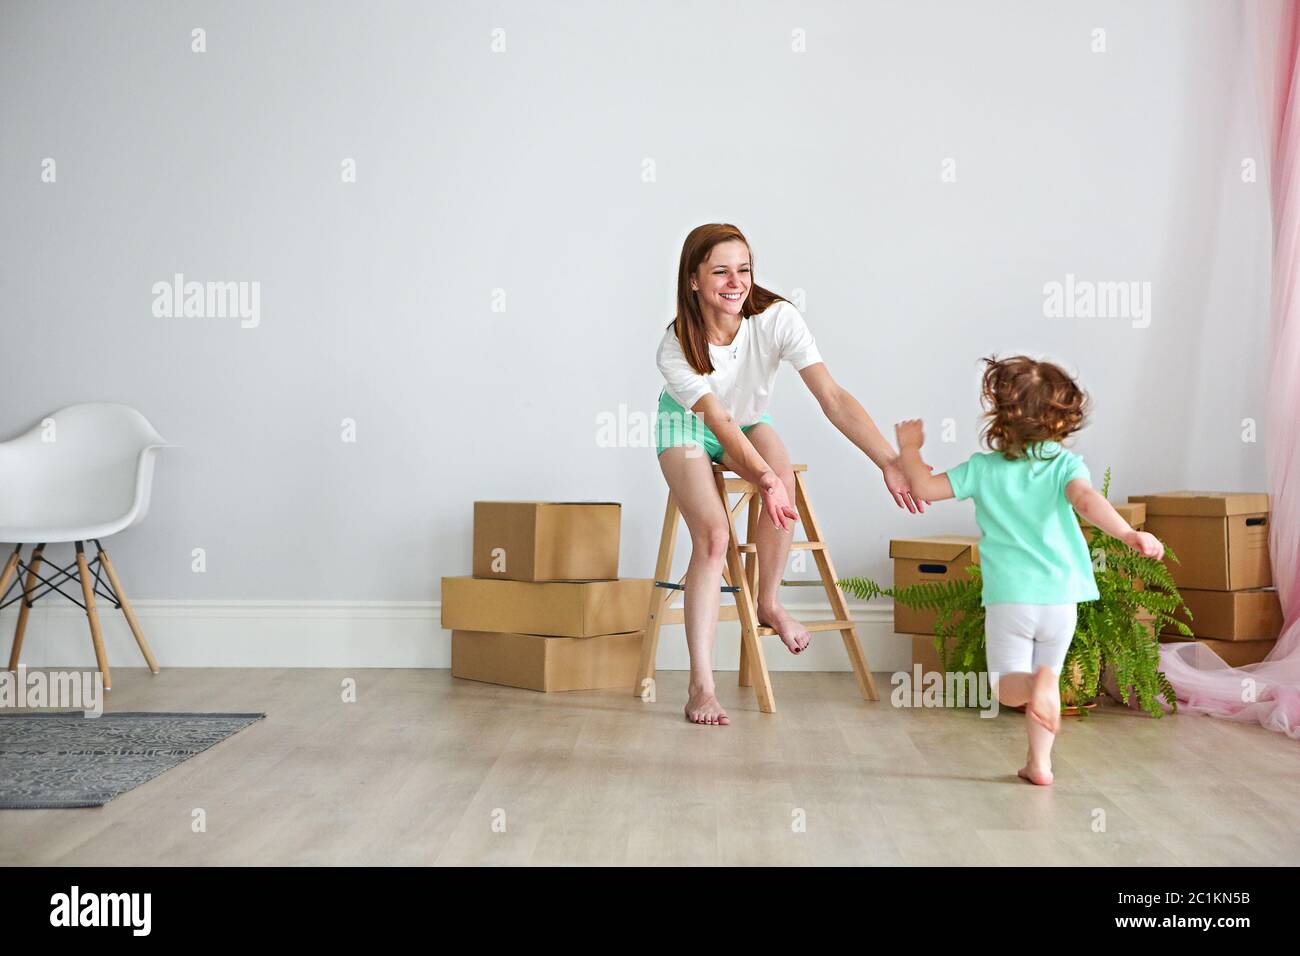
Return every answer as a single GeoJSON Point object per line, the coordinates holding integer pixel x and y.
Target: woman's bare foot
{"type": "Point", "coordinates": [1042, 776]}
{"type": "Point", "coordinates": [702, 707]}
{"type": "Point", "coordinates": [1044, 699]}
{"type": "Point", "coordinates": [793, 634]}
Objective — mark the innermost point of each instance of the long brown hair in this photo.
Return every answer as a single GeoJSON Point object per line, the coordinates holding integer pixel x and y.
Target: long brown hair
{"type": "Point", "coordinates": [689, 322]}
{"type": "Point", "coordinates": [1027, 402]}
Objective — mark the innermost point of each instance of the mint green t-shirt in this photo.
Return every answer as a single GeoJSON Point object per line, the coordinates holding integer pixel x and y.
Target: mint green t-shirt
{"type": "Point", "coordinates": [1032, 550]}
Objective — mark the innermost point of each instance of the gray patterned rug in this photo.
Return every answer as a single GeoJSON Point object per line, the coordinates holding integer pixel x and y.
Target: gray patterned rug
{"type": "Point", "coordinates": [60, 760]}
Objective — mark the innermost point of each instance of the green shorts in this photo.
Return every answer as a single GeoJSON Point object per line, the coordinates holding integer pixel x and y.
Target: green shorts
{"type": "Point", "coordinates": [676, 427]}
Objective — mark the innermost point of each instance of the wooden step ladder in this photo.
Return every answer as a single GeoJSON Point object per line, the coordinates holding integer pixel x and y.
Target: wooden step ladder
{"type": "Point", "coordinates": [742, 580]}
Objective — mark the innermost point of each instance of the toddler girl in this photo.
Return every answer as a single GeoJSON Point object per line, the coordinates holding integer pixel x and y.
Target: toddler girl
{"type": "Point", "coordinates": [1034, 560]}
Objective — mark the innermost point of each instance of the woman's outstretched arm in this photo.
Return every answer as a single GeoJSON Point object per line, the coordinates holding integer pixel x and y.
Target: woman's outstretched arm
{"type": "Point", "coordinates": [847, 414]}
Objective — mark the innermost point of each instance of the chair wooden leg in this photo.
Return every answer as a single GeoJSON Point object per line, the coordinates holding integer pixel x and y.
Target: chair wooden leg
{"type": "Point", "coordinates": [746, 611]}
{"type": "Point", "coordinates": [659, 597]}
{"type": "Point", "coordinates": [88, 595]}
{"type": "Point", "coordinates": [840, 607]}
{"type": "Point", "coordinates": [127, 609]}
{"type": "Point", "coordinates": [6, 577]}
{"type": "Point", "coordinates": [24, 606]}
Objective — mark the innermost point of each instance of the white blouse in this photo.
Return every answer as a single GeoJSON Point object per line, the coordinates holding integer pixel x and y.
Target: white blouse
{"type": "Point", "coordinates": [744, 371]}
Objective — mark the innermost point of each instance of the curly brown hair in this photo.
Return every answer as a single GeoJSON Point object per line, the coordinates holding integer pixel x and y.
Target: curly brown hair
{"type": "Point", "coordinates": [1026, 402]}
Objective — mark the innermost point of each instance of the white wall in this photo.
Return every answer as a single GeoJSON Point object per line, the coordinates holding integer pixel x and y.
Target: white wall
{"type": "Point", "coordinates": [522, 171]}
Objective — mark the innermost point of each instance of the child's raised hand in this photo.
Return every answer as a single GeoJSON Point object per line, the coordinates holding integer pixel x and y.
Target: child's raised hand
{"type": "Point", "coordinates": [1147, 545]}
{"type": "Point", "coordinates": [910, 434]}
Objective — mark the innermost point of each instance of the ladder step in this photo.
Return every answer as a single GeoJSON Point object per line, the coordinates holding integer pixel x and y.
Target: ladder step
{"type": "Point", "coordinates": [794, 546]}
{"type": "Point", "coordinates": [720, 469]}
{"type": "Point", "coordinates": [812, 626]}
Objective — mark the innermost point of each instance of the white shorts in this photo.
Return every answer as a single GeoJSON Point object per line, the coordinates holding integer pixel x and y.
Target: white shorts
{"type": "Point", "coordinates": [1020, 638]}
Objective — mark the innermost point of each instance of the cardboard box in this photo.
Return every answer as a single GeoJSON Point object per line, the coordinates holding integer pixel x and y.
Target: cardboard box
{"type": "Point", "coordinates": [924, 653]}
{"type": "Point", "coordinates": [935, 559]}
{"type": "Point", "coordinates": [548, 664]}
{"type": "Point", "coordinates": [1254, 615]}
{"type": "Point", "coordinates": [1234, 653]}
{"type": "Point", "coordinates": [546, 540]}
{"type": "Point", "coordinates": [552, 608]}
{"type": "Point", "coordinates": [1135, 513]}
{"type": "Point", "coordinates": [1221, 537]}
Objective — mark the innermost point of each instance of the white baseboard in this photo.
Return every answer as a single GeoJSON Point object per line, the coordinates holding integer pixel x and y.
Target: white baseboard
{"type": "Point", "coordinates": [367, 634]}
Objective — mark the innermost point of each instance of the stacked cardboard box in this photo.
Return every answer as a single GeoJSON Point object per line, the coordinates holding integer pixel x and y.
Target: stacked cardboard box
{"type": "Point", "coordinates": [920, 560]}
{"type": "Point", "coordinates": [545, 608]}
{"type": "Point", "coordinates": [1224, 574]}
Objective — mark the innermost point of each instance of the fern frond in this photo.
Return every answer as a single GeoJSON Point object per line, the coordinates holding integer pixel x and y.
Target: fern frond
{"type": "Point", "coordinates": [864, 589]}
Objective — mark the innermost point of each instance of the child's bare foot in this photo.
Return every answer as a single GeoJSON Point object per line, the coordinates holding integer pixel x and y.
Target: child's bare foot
{"type": "Point", "coordinates": [702, 707]}
{"type": "Point", "coordinates": [1044, 704]}
{"type": "Point", "coordinates": [793, 634]}
{"type": "Point", "coordinates": [1042, 776]}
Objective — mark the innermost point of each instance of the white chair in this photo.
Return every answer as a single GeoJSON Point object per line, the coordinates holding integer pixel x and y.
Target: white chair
{"type": "Point", "coordinates": [81, 474]}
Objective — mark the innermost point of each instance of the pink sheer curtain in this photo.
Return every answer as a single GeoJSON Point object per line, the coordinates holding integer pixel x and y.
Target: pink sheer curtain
{"type": "Point", "coordinates": [1269, 692]}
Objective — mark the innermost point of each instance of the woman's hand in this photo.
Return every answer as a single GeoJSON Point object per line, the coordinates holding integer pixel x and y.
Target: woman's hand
{"type": "Point", "coordinates": [897, 484]}
{"type": "Point", "coordinates": [776, 502]}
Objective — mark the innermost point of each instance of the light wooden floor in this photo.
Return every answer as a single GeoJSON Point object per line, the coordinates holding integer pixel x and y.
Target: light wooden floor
{"type": "Point", "coordinates": [417, 770]}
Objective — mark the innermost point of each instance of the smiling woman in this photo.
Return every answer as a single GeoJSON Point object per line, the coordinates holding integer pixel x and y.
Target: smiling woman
{"type": "Point", "coordinates": [719, 359]}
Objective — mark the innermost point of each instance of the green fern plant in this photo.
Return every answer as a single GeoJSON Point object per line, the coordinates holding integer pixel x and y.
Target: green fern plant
{"type": "Point", "coordinates": [1134, 593]}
